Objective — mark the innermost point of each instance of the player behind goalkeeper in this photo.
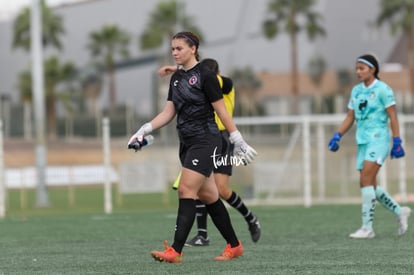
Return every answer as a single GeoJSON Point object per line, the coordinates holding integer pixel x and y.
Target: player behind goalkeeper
{"type": "Point", "coordinates": [371, 105]}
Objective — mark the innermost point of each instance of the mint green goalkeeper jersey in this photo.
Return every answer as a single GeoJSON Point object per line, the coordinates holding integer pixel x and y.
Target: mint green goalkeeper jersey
{"type": "Point", "coordinates": [369, 105]}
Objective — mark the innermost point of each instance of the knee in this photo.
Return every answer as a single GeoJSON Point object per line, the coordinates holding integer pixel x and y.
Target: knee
{"type": "Point", "coordinates": [225, 192]}
{"type": "Point", "coordinates": [208, 198]}
{"type": "Point", "coordinates": [366, 180]}
{"type": "Point", "coordinates": [186, 192]}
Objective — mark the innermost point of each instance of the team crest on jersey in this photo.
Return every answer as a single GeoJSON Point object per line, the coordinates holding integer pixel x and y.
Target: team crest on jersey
{"type": "Point", "coordinates": [192, 80]}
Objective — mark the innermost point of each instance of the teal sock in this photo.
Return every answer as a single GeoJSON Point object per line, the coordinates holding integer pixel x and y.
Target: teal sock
{"type": "Point", "coordinates": [387, 201]}
{"type": "Point", "coordinates": [368, 206]}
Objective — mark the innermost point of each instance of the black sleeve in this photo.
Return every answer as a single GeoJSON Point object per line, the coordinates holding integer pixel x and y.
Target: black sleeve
{"type": "Point", "coordinates": [227, 85]}
{"type": "Point", "coordinates": [173, 78]}
{"type": "Point", "coordinates": [169, 97]}
{"type": "Point", "coordinates": [211, 87]}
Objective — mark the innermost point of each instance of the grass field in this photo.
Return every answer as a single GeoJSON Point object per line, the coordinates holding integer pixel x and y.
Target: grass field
{"type": "Point", "coordinates": [295, 240]}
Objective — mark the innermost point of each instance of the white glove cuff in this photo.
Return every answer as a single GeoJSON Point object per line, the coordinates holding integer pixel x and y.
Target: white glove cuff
{"type": "Point", "coordinates": [235, 137]}
{"type": "Point", "coordinates": [147, 127]}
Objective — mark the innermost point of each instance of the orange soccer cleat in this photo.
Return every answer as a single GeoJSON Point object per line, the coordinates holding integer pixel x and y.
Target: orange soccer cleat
{"type": "Point", "coordinates": [230, 253]}
{"type": "Point", "coordinates": [168, 255]}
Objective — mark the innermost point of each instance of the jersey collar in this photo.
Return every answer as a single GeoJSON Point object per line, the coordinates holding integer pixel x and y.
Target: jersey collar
{"type": "Point", "coordinates": [372, 84]}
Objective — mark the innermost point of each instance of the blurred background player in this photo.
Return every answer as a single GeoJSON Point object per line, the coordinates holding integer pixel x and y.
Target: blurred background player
{"type": "Point", "coordinates": [371, 105]}
{"type": "Point", "coordinates": [194, 95]}
{"type": "Point", "coordinates": [221, 173]}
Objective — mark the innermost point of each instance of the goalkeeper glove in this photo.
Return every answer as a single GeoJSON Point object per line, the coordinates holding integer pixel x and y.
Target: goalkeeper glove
{"type": "Point", "coordinates": [241, 148]}
{"type": "Point", "coordinates": [397, 151]}
{"type": "Point", "coordinates": [147, 141]}
{"type": "Point", "coordinates": [138, 137]}
{"type": "Point", "coordinates": [334, 143]}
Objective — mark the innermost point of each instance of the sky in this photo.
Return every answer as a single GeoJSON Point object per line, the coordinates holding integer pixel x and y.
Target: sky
{"type": "Point", "coordinates": [8, 8]}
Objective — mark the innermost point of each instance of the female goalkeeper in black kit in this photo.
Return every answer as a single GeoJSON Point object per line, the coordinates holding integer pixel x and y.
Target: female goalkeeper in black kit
{"type": "Point", "coordinates": [194, 94]}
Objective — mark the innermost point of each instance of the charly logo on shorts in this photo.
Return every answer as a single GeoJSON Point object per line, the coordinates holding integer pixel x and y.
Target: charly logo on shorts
{"type": "Point", "coordinates": [225, 160]}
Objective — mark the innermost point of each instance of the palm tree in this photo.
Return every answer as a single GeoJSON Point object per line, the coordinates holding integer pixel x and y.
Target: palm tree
{"type": "Point", "coordinates": [292, 17]}
{"type": "Point", "coordinates": [106, 43]}
{"type": "Point", "coordinates": [24, 85]}
{"type": "Point", "coordinates": [345, 78]}
{"type": "Point", "coordinates": [400, 15]}
{"type": "Point", "coordinates": [52, 28]}
{"type": "Point", "coordinates": [164, 22]}
{"type": "Point", "coordinates": [56, 74]}
{"type": "Point", "coordinates": [316, 68]}
{"type": "Point", "coordinates": [91, 84]}
{"type": "Point", "coordinates": [246, 84]}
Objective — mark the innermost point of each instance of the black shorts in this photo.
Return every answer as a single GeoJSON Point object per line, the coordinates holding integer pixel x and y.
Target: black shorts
{"type": "Point", "coordinates": [227, 148]}
{"type": "Point", "coordinates": [200, 155]}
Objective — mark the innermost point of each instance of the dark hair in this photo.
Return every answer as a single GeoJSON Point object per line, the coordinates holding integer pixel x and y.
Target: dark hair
{"type": "Point", "coordinates": [191, 39]}
{"type": "Point", "coordinates": [371, 61]}
{"type": "Point", "coordinates": [211, 64]}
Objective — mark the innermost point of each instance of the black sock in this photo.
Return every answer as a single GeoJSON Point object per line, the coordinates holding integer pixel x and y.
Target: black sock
{"type": "Point", "coordinates": [201, 216]}
{"type": "Point", "coordinates": [236, 202]}
{"type": "Point", "coordinates": [185, 220]}
{"type": "Point", "coordinates": [221, 220]}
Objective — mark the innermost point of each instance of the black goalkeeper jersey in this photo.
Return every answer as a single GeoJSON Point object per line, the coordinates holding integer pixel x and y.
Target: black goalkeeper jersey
{"type": "Point", "coordinates": [192, 93]}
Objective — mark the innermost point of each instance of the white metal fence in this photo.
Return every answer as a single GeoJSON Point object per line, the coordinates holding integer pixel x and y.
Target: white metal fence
{"type": "Point", "coordinates": [294, 165]}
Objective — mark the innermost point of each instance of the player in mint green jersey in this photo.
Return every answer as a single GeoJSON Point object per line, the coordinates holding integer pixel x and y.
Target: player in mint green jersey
{"type": "Point", "coordinates": [371, 106]}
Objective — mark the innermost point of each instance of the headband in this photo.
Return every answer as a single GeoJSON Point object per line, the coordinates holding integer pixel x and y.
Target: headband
{"type": "Point", "coordinates": [189, 39]}
{"type": "Point", "coordinates": [366, 62]}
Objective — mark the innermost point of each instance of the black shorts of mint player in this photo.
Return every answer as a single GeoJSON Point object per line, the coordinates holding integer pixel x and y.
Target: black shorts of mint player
{"type": "Point", "coordinates": [197, 153]}
{"type": "Point", "coordinates": [224, 164]}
